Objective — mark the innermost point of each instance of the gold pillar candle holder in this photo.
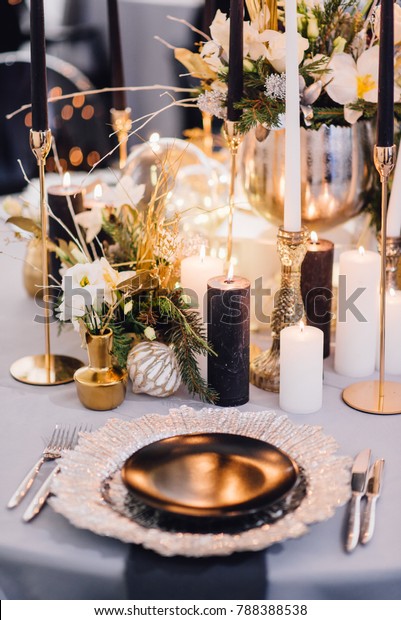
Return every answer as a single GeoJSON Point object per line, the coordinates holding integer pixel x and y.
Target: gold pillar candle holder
{"type": "Point", "coordinates": [44, 369]}
{"type": "Point", "coordinates": [233, 138]}
{"type": "Point", "coordinates": [288, 307]}
{"type": "Point", "coordinates": [379, 397]}
{"type": "Point", "coordinates": [122, 123]}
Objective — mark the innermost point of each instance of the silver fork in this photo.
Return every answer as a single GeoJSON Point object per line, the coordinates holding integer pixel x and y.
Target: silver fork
{"type": "Point", "coordinates": [50, 452]}
{"type": "Point", "coordinates": [41, 496]}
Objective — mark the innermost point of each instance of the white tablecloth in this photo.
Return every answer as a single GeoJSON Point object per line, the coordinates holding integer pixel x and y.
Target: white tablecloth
{"type": "Point", "coordinates": [50, 559]}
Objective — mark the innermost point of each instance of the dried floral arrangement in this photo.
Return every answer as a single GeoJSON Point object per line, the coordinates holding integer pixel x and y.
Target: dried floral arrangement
{"type": "Point", "coordinates": [338, 48]}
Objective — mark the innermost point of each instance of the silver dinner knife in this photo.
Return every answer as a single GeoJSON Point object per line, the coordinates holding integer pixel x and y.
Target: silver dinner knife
{"type": "Point", "coordinates": [359, 481]}
{"type": "Point", "coordinates": [372, 494]}
{"type": "Point", "coordinates": [40, 498]}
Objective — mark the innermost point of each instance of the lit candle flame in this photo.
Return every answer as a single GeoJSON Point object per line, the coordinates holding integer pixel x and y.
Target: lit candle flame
{"type": "Point", "coordinates": [313, 237]}
{"type": "Point", "coordinates": [361, 250]}
{"type": "Point", "coordinates": [66, 180]}
{"type": "Point", "coordinates": [98, 192]}
{"type": "Point", "coordinates": [392, 292]}
{"type": "Point", "coordinates": [301, 326]}
{"type": "Point", "coordinates": [230, 273]}
{"type": "Point", "coordinates": [202, 252]}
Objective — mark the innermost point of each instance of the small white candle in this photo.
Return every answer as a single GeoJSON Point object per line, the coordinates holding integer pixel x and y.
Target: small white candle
{"type": "Point", "coordinates": [394, 205]}
{"type": "Point", "coordinates": [301, 369]}
{"type": "Point", "coordinates": [393, 334]}
{"type": "Point", "coordinates": [195, 273]}
{"type": "Point", "coordinates": [357, 313]}
{"type": "Point", "coordinates": [292, 199]}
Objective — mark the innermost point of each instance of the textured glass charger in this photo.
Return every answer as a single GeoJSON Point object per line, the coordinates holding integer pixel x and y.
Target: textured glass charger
{"type": "Point", "coordinates": [91, 494]}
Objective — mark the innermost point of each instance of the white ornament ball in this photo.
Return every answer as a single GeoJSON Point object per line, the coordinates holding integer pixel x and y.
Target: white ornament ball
{"type": "Point", "coordinates": [153, 369]}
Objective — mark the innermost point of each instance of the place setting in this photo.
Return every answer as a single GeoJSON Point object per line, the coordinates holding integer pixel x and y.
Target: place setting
{"type": "Point", "coordinates": [234, 372]}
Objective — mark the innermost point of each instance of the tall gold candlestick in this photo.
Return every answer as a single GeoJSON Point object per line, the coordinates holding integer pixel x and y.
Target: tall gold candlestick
{"type": "Point", "coordinates": [234, 139]}
{"type": "Point", "coordinates": [122, 123]}
{"type": "Point", "coordinates": [379, 397]}
{"type": "Point", "coordinates": [288, 307]}
{"type": "Point", "coordinates": [44, 369]}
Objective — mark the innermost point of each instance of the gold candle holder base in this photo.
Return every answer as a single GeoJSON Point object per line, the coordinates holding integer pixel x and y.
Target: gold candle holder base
{"type": "Point", "coordinates": [44, 369]}
{"type": "Point", "coordinates": [366, 397]}
{"type": "Point", "coordinates": [122, 123]}
{"type": "Point", "coordinates": [40, 370]}
{"type": "Point", "coordinates": [288, 307]}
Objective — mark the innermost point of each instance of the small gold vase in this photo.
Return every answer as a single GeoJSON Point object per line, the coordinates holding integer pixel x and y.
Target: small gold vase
{"type": "Point", "coordinates": [100, 385]}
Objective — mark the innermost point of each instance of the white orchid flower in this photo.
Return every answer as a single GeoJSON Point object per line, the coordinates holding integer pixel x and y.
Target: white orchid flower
{"type": "Point", "coordinates": [275, 52]}
{"type": "Point", "coordinates": [255, 40]}
{"type": "Point", "coordinates": [349, 81]}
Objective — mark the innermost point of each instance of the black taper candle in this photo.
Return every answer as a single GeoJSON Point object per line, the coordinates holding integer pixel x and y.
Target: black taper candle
{"type": "Point", "coordinates": [38, 67]}
{"type": "Point", "coordinates": [385, 108]}
{"type": "Point", "coordinates": [228, 315]}
{"type": "Point", "coordinates": [58, 196]}
{"type": "Point", "coordinates": [236, 56]}
{"type": "Point", "coordinates": [116, 57]}
{"type": "Point", "coordinates": [316, 287]}
{"type": "Point", "coordinates": [209, 11]}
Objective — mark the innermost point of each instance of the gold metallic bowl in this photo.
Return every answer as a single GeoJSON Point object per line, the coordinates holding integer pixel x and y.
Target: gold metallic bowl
{"type": "Point", "coordinates": [337, 171]}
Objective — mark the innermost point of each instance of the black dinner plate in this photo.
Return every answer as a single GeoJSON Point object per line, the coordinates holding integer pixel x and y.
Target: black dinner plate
{"type": "Point", "coordinates": [216, 475]}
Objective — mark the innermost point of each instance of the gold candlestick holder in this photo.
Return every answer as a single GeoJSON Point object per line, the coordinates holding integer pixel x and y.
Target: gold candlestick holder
{"type": "Point", "coordinates": [393, 254]}
{"type": "Point", "coordinates": [288, 307]}
{"type": "Point", "coordinates": [44, 369]}
{"type": "Point", "coordinates": [122, 123]}
{"type": "Point", "coordinates": [379, 397]}
{"type": "Point", "coordinates": [233, 138]}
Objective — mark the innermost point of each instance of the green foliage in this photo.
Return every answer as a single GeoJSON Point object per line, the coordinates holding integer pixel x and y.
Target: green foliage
{"type": "Point", "coordinates": [122, 343]}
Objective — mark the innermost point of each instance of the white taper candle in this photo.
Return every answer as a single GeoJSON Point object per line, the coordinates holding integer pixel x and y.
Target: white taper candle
{"type": "Point", "coordinates": [292, 200]}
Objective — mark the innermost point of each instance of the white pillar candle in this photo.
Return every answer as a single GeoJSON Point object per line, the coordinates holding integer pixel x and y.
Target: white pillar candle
{"type": "Point", "coordinates": [195, 273]}
{"type": "Point", "coordinates": [301, 369]}
{"type": "Point", "coordinates": [394, 205]}
{"type": "Point", "coordinates": [292, 200]}
{"type": "Point", "coordinates": [393, 334]}
{"type": "Point", "coordinates": [357, 313]}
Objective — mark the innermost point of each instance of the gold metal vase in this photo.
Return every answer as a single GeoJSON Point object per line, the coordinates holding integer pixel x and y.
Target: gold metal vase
{"type": "Point", "coordinates": [100, 385]}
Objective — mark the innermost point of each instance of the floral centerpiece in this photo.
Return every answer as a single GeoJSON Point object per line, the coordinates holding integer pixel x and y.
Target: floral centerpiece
{"type": "Point", "coordinates": [129, 284]}
{"type": "Point", "coordinates": [338, 51]}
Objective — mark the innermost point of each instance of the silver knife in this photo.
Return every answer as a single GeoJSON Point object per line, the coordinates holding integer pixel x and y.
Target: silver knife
{"type": "Point", "coordinates": [359, 481]}
{"type": "Point", "coordinates": [372, 494]}
{"type": "Point", "coordinates": [40, 498]}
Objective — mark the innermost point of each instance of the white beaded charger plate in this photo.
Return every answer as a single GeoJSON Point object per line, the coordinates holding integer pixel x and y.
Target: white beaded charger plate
{"type": "Point", "coordinates": [99, 455]}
